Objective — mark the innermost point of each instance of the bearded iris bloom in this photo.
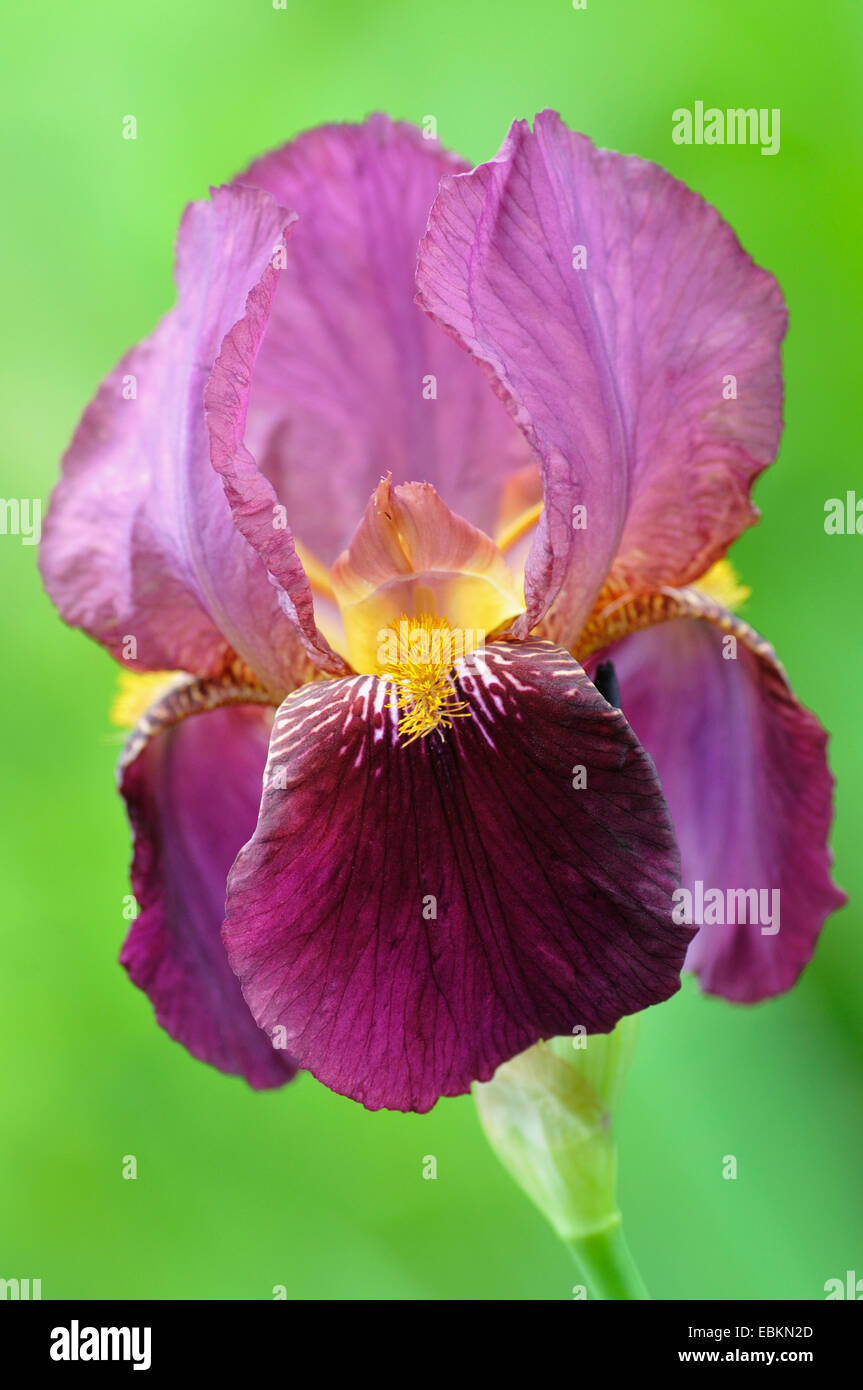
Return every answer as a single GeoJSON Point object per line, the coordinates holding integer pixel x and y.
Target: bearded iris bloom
{"type": "Point", "coordinates": [400, 400]}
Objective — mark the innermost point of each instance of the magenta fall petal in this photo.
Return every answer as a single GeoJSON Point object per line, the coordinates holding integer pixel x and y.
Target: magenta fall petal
{"type": "Point", "coordinates": [744, 768]}
{"type": "Point", "coordinates": [552, 903]}
{"type": "Point", "coordinates": [192, 797]}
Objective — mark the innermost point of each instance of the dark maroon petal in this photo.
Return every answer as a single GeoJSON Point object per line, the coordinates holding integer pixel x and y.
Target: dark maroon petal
{"type": "Point", "coordinates": [192, 795]}
{"type": "Point", "coordinates": [353, 381]}
{"type": "Point", "coordinates": [744, 768]}
{"type": "Point", "coordinates": [552, 903]}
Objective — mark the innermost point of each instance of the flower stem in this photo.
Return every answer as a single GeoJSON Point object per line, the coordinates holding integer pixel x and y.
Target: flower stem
{"type": "Point", "coordinates": [606, 1266]}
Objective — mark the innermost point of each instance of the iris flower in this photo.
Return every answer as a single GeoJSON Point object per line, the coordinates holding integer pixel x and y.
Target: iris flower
{"type": "Point", "coordinates": [419, 450]}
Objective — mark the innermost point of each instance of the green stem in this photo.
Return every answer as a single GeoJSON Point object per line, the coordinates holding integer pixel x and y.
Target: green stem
{"type": "Point", "coordinates": [606, 1266]}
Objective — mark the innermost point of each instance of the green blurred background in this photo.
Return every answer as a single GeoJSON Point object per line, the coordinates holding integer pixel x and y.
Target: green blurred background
{"type": "Point", "coordinates": [238, 1192]}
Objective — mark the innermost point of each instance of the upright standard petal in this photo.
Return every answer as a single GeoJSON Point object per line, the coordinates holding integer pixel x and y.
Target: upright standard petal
{"type": "Point", "coordinates": [139, 540]}
{"type": "Point", "coordinates": [744, 768]}
{"type": "Point", "coordinates": [635, 343]}
{"type": "Point", "coordinates": [353, 381]}
{"type": "Point", "coordinates": [413, 915]}
{"type": "Point", "coordinates": [192, 794]}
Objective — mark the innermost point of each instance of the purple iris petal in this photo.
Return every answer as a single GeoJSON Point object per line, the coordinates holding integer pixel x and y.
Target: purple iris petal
{"type": "Point", "coordinates": [743, 766]}
{"type": "Point", "coordinates": [192, 797]}
{"type": "Point", "coordinates": [413, 915]}
{"type": "Point", "coordinates": [352, 380]}
{"type": "Point", "coordinates": [609, 303]}
{"type": "Point", "coordinates": [139, 540]}
{"type": "Point", "coordinates": [258, 515]}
